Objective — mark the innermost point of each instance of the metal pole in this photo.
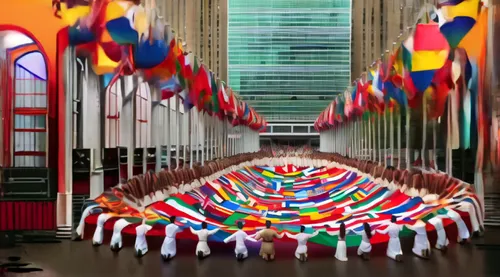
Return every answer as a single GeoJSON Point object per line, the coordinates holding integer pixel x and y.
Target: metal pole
{"type": "Point", "coordinates": [407, 130]}
{"type": "Point", "coordinates": [179, 131]}
{"type": "Point", "coordinates": [385, 138]}
{"type": "Point", "coordinates": [169, 128]}
{"type": "Point", "coordinates": [424, 130]}
{"type": "Point", "coordinates": [399, 138]}
{"type": "Point", "coordinates": [369, 137]}
{"type": "Point", "coordinates": [391, 113]}
{"type": "Point", "coordinates": [190, 136]}
{"type": "Point", "coordinates": [202, 132]}
{"type": "Point", "coordinates": [379, 140]}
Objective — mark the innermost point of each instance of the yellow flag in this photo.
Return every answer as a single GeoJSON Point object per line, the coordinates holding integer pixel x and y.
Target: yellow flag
{"type": "Point", "coordinates": [428, 60]}
{"type": "Point", "coordinates": [71, 16]}
{"type": "Point", "coordinates": [103, 64]}
{"type": "Point", "coordinates": [469, 8]}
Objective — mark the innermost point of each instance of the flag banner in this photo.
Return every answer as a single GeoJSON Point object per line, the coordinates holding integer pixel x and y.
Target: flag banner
{"type": "Point", "coordinates": [289, 196]}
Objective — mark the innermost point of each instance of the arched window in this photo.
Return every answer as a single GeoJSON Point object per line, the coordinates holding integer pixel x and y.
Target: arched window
{"type": "Point", "coordinates": [143, 116]}
{"type": "Point", "coordinates": [30, 111]}
{"type": "Point", "coordinates": [113, 109]}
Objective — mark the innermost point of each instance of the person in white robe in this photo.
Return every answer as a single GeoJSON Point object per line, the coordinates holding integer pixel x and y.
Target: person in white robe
{"type": "Point", "coordinates": [421, 245]}
{"type": "Point", "coordinates": [169, 246]}
{"type": "Point", "coordinates": [442, 240]}
{"type": "Point", "coordinates": [99, 229]}
{"type": "Point", "coordinates": [202, 249]}
{"type": "Point", "coordinates": [116, 243]}
{"type": "Point", "coordinates": [394, 247]}
{"type": "Point", "coordinates": [141, 244]}
{"type": "Point", "coordinates": [341, 249]}
{"type": "Point", "coordinates": [240, 236]}
{"type": "Point", "coordinates": [365, 247]}
{"type": "Point", "coordinates": [302, 238]}
{"type": "Point", "coordinates": [463, 231]}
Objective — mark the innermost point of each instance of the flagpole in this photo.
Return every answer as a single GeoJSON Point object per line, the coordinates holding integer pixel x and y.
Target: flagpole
{"type": "Point", "coordinates": [196, 133]}
{"type": "Point", "coordinates": [434, 142]}
{"type": "Point", "coordinates": [391, 113]}
{"type": "Point", "coordinates": [190, 137]}
{"type": "Point", "coordinates": [399, 137]}
{"type": "Point", "coordinates": [203, 140]}
{"type": "Point", "coordinates": [374, 139]}
{"type": "Point", "coordinates": [407, 130]}
{"type": "Point", "coordinates": [385, 136]}
{"type": "Point", "coordinates": [360, 137]}
{"type": "Point", "coordinates": [369, 137]}
{"type": "Point", "coordinates": [179, 131]}
{"type": "Point", "coordinates": [379, 139]}
{"type": "Point", "coordinates": [424, 129]}
{"type": "Point", "coordinates": [169, 128]}
{"type": "Point", "coordinates": [448, 139]}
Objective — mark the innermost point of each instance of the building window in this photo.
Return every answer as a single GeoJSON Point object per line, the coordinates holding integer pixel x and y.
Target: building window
{"type": "Point", "coordinates": [30, 111]}
{"type": "Point", "coordinates": [113, 109]}
{"type": "Point", "coordinates": [143, 116]}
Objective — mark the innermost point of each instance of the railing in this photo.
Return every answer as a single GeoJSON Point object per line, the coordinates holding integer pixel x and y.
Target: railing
{"type": "Point", "coordinates": [28, 184]}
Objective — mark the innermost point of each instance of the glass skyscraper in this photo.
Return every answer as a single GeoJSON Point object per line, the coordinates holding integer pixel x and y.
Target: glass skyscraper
{"type": "Point", "coordinates": [286, 57]}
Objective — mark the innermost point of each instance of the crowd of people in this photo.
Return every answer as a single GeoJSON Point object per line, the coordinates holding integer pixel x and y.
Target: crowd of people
{"type": "Point", "coordinates": [268, 235]}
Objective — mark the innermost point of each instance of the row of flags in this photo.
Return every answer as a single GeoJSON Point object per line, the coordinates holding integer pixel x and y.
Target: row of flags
{"type": "Point", "coordinates": [441, 64]}
{"type": "Point", "coordinates": [124, 39]}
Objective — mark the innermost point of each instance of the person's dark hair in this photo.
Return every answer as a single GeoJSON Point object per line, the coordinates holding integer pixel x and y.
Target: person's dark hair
{"type": "Point", "coordinates": [393, 219]}
{"type": "Point", "coordinates": [368, 230]}
{"type": "Point", "coordinates": [172, 219]}
{"type": "Point", "coordinates": [342, 231]}
{"type": "Point", "coordinates": [240, 225]}
{"type": "Point", "coordinates": [204, 225]}
{"type": "Point", "coordinates": [268, 224]}
{"type": "Point", "coordinates": [302, 228]}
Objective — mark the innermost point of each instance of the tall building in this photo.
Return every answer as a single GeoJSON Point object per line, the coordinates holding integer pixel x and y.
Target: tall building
{"type": "Point", "coordinates": [286, 58]}
{"type": "Point", "coordinates": [202, 25]}
{"type": "Point", "coordinates": [376, 25]}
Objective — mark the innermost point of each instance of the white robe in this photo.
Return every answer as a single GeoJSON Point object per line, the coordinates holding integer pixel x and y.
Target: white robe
{"type": "Point", "coordinates": [341, 251]}
{"type": "Point", "coordinates": [140, 239]}
{"type": "Point", "coordinates": [81, 225]}
{"type": "Point", "coordinates": [421, 241]}
{"type": "Point", "coordinates": [365, 246]}
{"type": "Point", "coordinates": [116, 238]}
{"type": "Point", "coordinates": [463, 231]}
{"type": "Point", "coordinates": [394, 246]}
{"type": "Point", "coordinates": [442, 240]}
{"type": "Point", "coordinates": [99, 229]}
{"type": "Point", "coordinates": [169, 246]}
{"type": "Point", "coordinates": [202, 240]}
{"type": "Point", "coordinates": [302, 239]}
{"type": "Point", "coordinates": [240, 236]}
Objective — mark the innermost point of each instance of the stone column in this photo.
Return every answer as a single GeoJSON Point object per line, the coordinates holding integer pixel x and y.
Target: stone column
{"type": "Point", "coordinates": [91, 102]}
{"type": "Point", "coordinates": [64, 195]}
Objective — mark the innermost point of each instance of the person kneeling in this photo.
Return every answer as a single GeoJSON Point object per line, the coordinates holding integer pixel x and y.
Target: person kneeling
{"type": "Point", "coordinates": [302, 238]}
{"type": "Point", "coordinates": [202, 249]}
{"type": "Point", "coordinates": [240, 236]}
{"type": "Point", "coordinates": [267, 236]}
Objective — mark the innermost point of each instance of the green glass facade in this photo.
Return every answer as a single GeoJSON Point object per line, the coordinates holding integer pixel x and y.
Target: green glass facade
{"type": "Point", "coordinates": [287, 58]}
